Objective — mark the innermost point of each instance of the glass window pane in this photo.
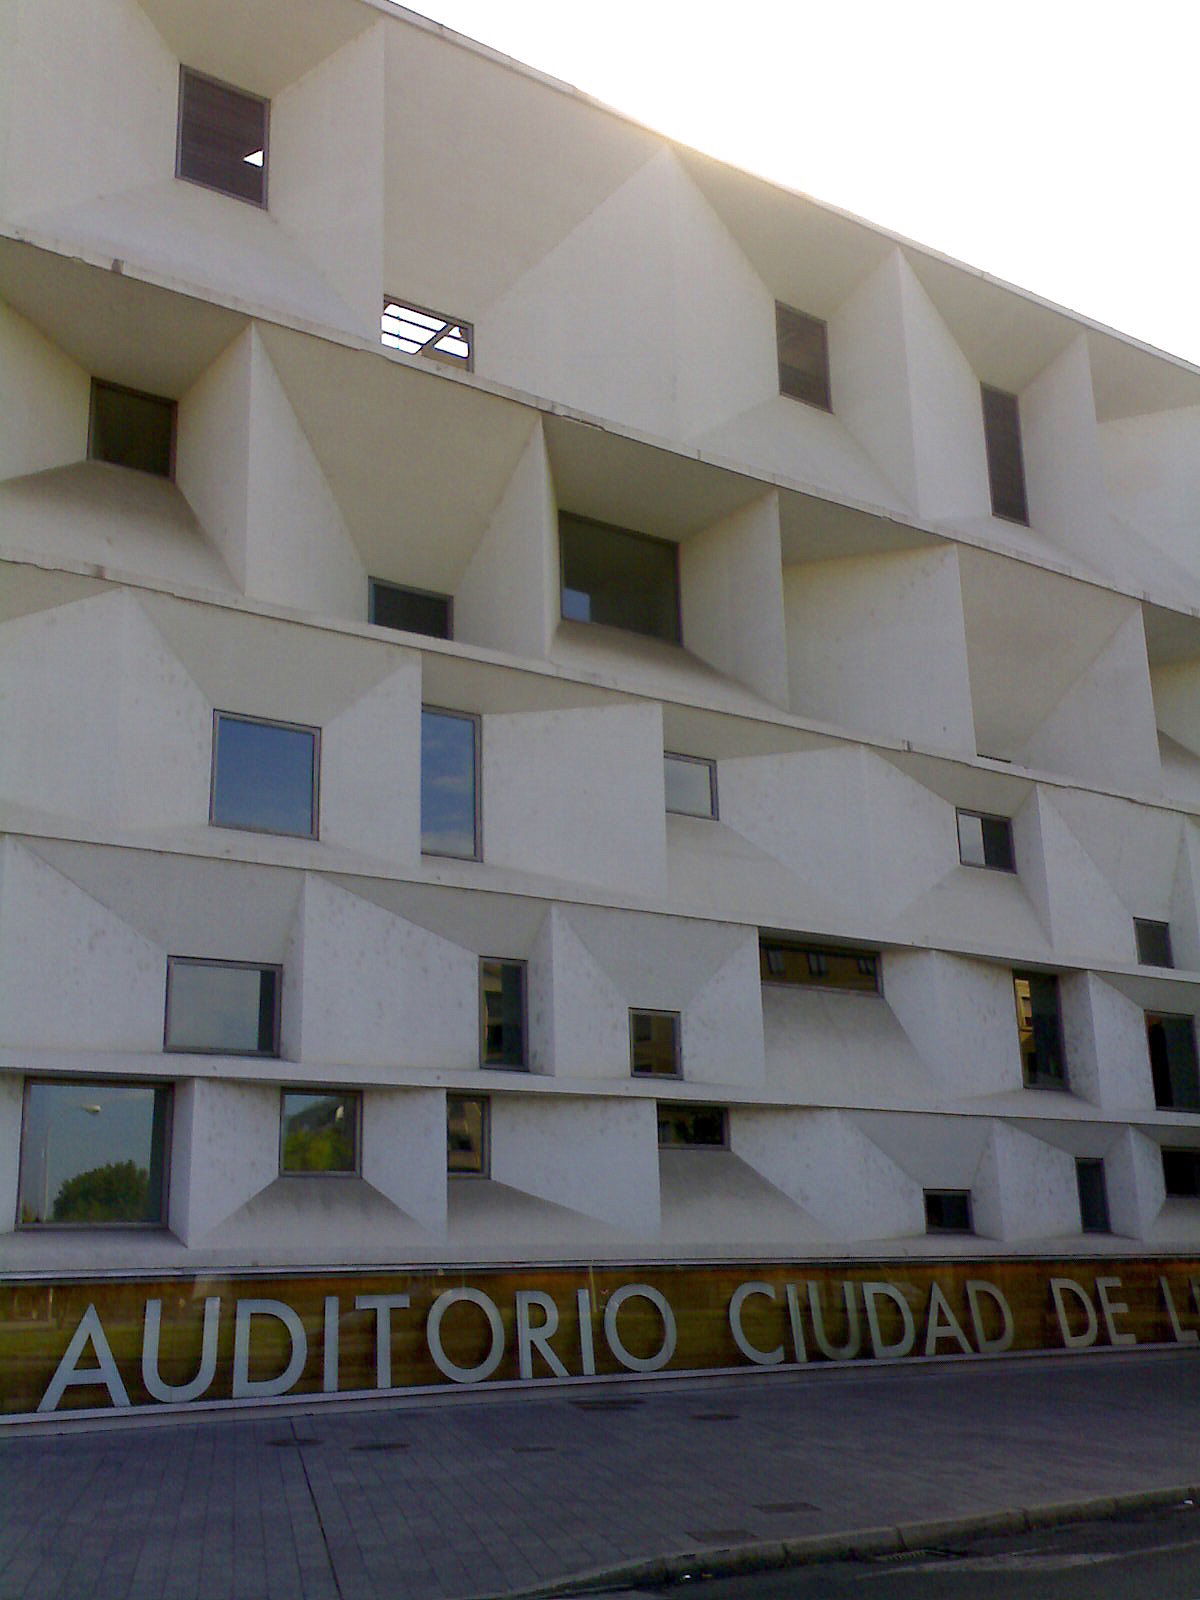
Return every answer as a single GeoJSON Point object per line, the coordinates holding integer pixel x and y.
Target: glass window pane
{"type": "Point", "coordinates": [803, 347]}
{"type": "Point", "coordinates": [783, 962]}
{"type": "Point", "coordinates": [690, 786]}
{"type": "Point", "coordinates": [654, 1043]}
{"type": "Point", "coordinates": [970, 839]}
{"type": "Point", "coordinates": [625, 579]}
{"type": "Point", "coordinates": [320, 1132]}
{"type": "Point", "coordinates": [502, 994]}
{"type": "Point", "coordinates": [1005, 460]}
{"type": "Point", "coordinates": [703, 1126]}
{"type": "Point", "coordinates": [412, 610]}
{"type": "Point", "coordinates": [1153, 943]}
{"type": "Point", "coordinates": [94, 1152]}
{"type": "Point", "coordinates": [231, 1010]}
{"type": "Point", "coordinates": [131, 430]}
{"type": "Point", "coordinates": [448, 806]}
{"type": "Point", "coordinates": [222, 138]}
{"type": "Point", "coordinates": [1093, 1196]}
{"type": "Point", "coordinates": [264, 777]}
{"type": "Point", "coordinates": [1039, 1030]}
{"type": "Point", "coordinates": [948, 1211]}
{"type": "Point", "coordinates": [466, 1134]}
{"type": "Point", "coordinates": [1173, 1062]}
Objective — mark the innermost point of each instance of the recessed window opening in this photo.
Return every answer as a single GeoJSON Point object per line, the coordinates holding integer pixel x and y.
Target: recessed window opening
{"type": "Point", "coordinates": [654, 1044]}
{"type": "Point", "coordinates": [449, 788]}
{"type": "Point", "coordinates": [802, 343]}
{"type": "Point", "coordinates": [618, 577]}
{"type": "Point", "coordinates": [222, 137]}
{"type": "Point", "coordinates": [692, 1127]}
{"type": "Point", "coordinates": [130, 429]}
{"type": "Point", "coordinates": [468, 1135]}
{"type": "Point", "coordinates": [391, 605]}
{"type": "Point", "coordinates": [502, 1013]}
{"type": "Point", "coordinates": [1181, 1173]}
{"type": "Point", "coordinates": [222, 1007]}
{"type": "Point", "coordinates": [1093, 1195]}
{"type": "Point", "coordinates": [1005, 459]}
{"type": "Point", "coordinates": [319, 1131]}
{"type": "Point", "coordinates": [94, 1152]}
{"type": "Point", "coordinates": [985, 841]}
{"type": "Point", "coordinates": [818, 966]}
{"type": "Point", "coordinates": [264, 776]}
{"type": "Point", "coordinates": [691, 785]}
{"type": "Point", "coordinates": [948, 1211]}
{"type": "Point", "coordinates": [1171, 1041]}
{"type": "Point", "coordinates": [1153, 943]}
{"type": "Point", "coordinates": [420, 332]}
{"type": "Point", "coordinates": [1039, 1030]}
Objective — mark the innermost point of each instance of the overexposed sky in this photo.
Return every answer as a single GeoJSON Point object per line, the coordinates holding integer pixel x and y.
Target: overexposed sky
{"type": "Point", "coordinates": [1053, 144]}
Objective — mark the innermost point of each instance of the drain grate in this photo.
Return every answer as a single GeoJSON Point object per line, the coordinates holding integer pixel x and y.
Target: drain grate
{"type": "Point", "coordinates": [714, 1416]}
{"type": "Point", "coordinates": [533, 1449]}
{"type": "Point", "coordinates": [607, 1405]}
{"type": "Point", "coordinates": [291, 1444]}
{"type": "Point", "coordinates": [381, 1444]}
{"type": "Point", "coordinates": [722, 1535]}
{"type": "Point", "coordinates": [779, 1508]}
{"type": "Point", "coordinates": [932, 1552]}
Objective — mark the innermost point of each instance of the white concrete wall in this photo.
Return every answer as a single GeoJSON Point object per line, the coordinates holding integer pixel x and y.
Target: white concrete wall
{"type": "Point", "coordinates": [44, 396]}
{"type": "Point", "coordinates": [10, 1142]}
{"type": "Point", "coordinates": [224, 1150]}
{"type": "Point", "coordinates": [404, 1151]}
{"type": "Point", "coordinates": [1025, 1189]}
{"type": "Point", "coordinates": [732, 599]}
{"type": "Point", "coordinates": [961, 1018]}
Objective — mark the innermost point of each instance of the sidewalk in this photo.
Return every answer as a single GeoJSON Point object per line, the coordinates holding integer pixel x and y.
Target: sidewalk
{"type": "Point", "coordinates": [482, 1497]}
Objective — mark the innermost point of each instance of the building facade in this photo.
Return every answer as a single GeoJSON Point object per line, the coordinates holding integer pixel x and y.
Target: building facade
{"type": "Point", "coordinates": [563, 704]}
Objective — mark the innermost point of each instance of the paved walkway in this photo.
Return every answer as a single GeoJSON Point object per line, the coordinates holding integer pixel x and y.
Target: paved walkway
{"type": "Point", "coordinates": [484, 1496]}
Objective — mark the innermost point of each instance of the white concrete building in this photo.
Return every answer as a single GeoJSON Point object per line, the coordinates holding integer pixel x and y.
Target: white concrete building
{"type": "Point", "coordinates": [762, 820]}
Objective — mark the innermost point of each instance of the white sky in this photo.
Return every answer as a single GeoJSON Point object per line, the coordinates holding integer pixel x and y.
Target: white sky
{"type": "Point", "coordinates": [1053, 143]}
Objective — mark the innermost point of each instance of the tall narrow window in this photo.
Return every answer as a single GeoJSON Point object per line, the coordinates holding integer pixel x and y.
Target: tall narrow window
{"type": "Point", "coordinates": [226, 1008]}
{"type": "Point", "coordinates": [802, 343]}
{"type": "Point", "coordinates": [131, 429]}
{"type": "Point", "coordinates": [502, 1013]}
{"type": "Point", "coordinates": [391, 605]}
{"type": "Point", "coordinates": [222, 137]}
{"type": "Point", "coordinates": [615, 576]}
{"type": "Point", "coordinates": [264, 776]}
{"type": "Point", "coordinates": [691, 785]}
{"type": "Point", "coordinates": [1173, 1063]}
{"type": "Point", "coordinates": [94, 1151]}
{"type": "Point", "coordinates": [1093, 1195]}
{"type": "Point", "coordinates": [467, 1135]}
{"type": "Point", "coordinates": [654, 1044]}
{"type": "Point", "coordinates": [1039, 1030]}
{"type": "Point", "coordinates": [449, 794]}
{"type": "Point", "coordinates": [1005, 459]}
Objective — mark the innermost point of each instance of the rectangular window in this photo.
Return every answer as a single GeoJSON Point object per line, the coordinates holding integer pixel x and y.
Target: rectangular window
{"type": "Point", "coordinates": [264, 776]}
{"type": "Point", "coordinates": [1005, 460]}
{"type": "Point", "coordinates": [654, 1044]}
{"type": "Point", "coordinates": [1039, 1030]}
{"type": "Point", "coordinates": [802, 343]}
{"type": "Point", "coordinates": [94, 1151]}
{"type": "Point", "coordinates": [1153, 943]}
{"type": "Point", "coordinates": [449, 791]}
{"type": "Point", "coordinates": [948, 1211]}
{"type": "Point", "coordinates": [1181, 1173]}
{"type": "Point", "coordinates": [228, 1008]}
{"type": "Point", "coordinates": [467, 1135]}
{"type": "Point", "coordinates": [130, 429]}
{"type": "Point", "coordinates": [390, 605]}
{"type": "Point", "coordinates": [694, 1127]}
{"type": "Point", "coordinates": [618, 577]}
{"type": "Point", "coordinates": [985, 841]}
{"type": "Point", "coordinates": [318, 1131]}
{"type": "Point", "coordinates": [420, 332]}
{"type": "Point", "coordinates": [1173, 1064]}
{"type": "Point", "coordinates": [691, 785]}
{"type": "Point", "coordinates": [502, 1013]}
{"type": "Point", "coordinates": [1093, 1195]}
{"type": "Point", "coordinates": [818, 966]}
{"type": "Point", "coordinates": [222, 137]}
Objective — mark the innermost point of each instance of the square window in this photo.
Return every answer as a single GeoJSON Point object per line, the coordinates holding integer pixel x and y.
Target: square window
{"type": "Point", "coordinates": [1173, 1064]}
{"type": "Point", "coordinates": [420, 332]}
{"type": "Point", "coordinates": [802, 343]}
{"type": "Point", "coordinates": [390, 605]}
{"type": "Point", "coordinates": [985, 841]}
{"type": "Point", "coordinates": [654, 1044]}
{"type": "Point", "coordinates": [449, 791]}
{"type": "Point", "coordinates": [467, 1135]}
{"type": "Point", "coordinates": [691, 785]}
{"type": "Point", "coordinates": [1005, 459]}
{"type": "Point", "coordinates": [264, 776]}
{"type": "Point", "coordinates": [222, 137]}
{"type": "Point", "coordinates": [1181, 1173]}
{"type": "Point", "coordinates": [130, 429]}
{"type": "Point", "coordinates": [618, 577]}
{"type": "Point", "coordinates": [94, 1151]}
{"type": "Point", "coordinates": [318, 1131]}
{"type": "Point", "coordinates": [1093, 1195]}
{"type": "Point", "coordinates": [692, 1127]}
{"type": "Point", "coordinates": [228, 1008]}
{"type": "Point", "coordinates": [502, 1013]}
{"type": "Point", "coordinates": [1153, 943]}
{"type": "Point", "coordinates": [1039, 1030]}
{"type": "Point", "coordinates": [819, 966]}
{"type": "Point", "coordinates": [948, 1211]}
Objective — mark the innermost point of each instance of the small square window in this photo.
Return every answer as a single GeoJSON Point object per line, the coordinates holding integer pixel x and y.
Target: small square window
{"type": "Point", "coordinates": [654, 1044]}
{"type": "Point", "coordinates": [1005, 459]}
{"type": "Point", "coordinates": [1039, 1030]}
{"type": "Point", "coordinates": [948, 1211]}
{"type": "Point", "coordinates": [222, 137]}
{"type": "Point", "coordinates": [620, 578]}
{"type": "Point", "coordinates": [410, 610]}
{"type": "Point", "coordinates": [1093, 1195]}
{"type": "Point", "coordinates": [1173, 1063]}
{"type": "Point", "coordinates": [802, 343]}
{"type": "Point", "coordinates": [94, 1151]}
{"type": "Point", "coordinates": [1181, 1173]}
{"type": "Point", "coordinates": [691, 785]}
{"type": "Point", "coordinates": [1153, 943]}
{"type": "Point", "coordinates": [318, 1131]}
{"type": "Point", "coordinates": [985, 841]}
{"type": "Point", "coordinates": [130, 429]}
{"type": "Point", "coordinates": [228, 1008]}
{"type": "Point", "coordinates": [502, 1013]}
{"type": "Point", "coordinates": [467, 1135]}
{"type": "Point", "coordinates": [449, 791]}
{"type": "Point", "coordinates": [818, 966]}
{"type": "Point", "coordinates": [420, 332]}
{"type": "Point", "coordinates": [692, 1127]}
{"type": "Point", "coordinates": [264, 776]}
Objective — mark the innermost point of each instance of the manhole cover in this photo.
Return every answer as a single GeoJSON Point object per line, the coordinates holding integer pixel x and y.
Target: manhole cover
{"type": "Point", "coordinates": [778, 1508]}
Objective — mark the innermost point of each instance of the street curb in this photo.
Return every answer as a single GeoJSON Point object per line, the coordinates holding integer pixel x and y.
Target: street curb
{"type": "Point", "coordinates": [858, 1544]}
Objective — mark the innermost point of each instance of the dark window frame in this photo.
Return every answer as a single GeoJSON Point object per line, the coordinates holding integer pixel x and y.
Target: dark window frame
{"type": "Point", "coordinates": [376, 584]}
{"type": "Point", "coordinates": [822, 952]}
{"type": "Point", "coordinates": [1146, 930]}
{"type": "Point", "coordinates": [713, 813]}
{"type": "Point", "coordinates": [444, 358]}
{"type": "Point", "coordinates": [266, 722]}
{"type": "Point", "coordinates": [628, 533]}
{"type": "Point", "coordinates": [954, 1199]}
{"type": "Point", "coordinates": [989, 830]}
{"type": "Point", "coordinates": [811, 388]}
{"type": "Point", "coordinates": [669, 1108]}
{"type": "Point", "coordinates": [354, 1097]}
{"type": "Point", "coordinates": [172, 406]}
{"type": "Point", "coordinates": [484, 1101]}
{"type": "Point", "coordinates": [677, 1042]}
{"type": "Point", "coordinates": [476, 721]}
{"type": "Point", "coordinates": [186, 72]}
{"type": "Point", "coordinates": [1005, 451]}
{"type": "Point", "coordinates": [1038, 1078]}
{"type": "Point", "coordinates": [261, 967]}
{"type": "Point", "coordinates": [490, 1064]}
{"type": "Point", "coordinates": [1169, 1093]}
{"type": "Point", "coordinates": [1094, 1216]}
